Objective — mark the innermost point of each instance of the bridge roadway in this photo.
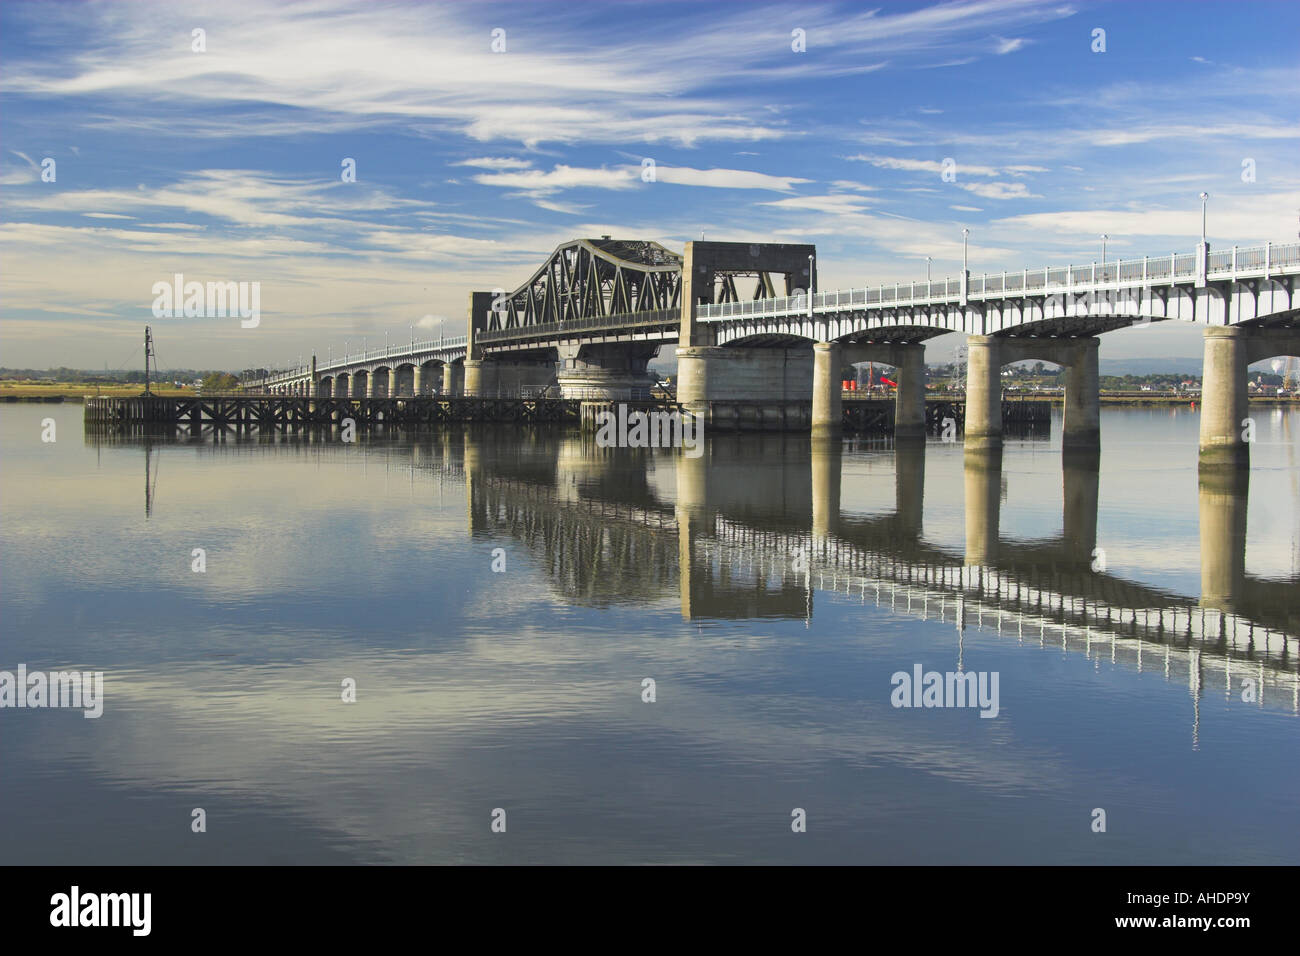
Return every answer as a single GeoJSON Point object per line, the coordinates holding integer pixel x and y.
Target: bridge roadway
{"type": "Point", "coordinates": [588, 321]}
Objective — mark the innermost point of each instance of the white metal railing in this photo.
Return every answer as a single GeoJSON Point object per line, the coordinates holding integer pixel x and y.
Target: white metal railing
{"type": "Point", "coordinates": [396, 351]}
{"type": "Point", "coordinates": [1268, 259]}
{"type": "Point", "coordinates": [442, 344]}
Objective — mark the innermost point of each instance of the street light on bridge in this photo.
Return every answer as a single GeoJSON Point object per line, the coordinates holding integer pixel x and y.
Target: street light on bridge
{"type": "Point", "coordinates": [1205, 198]}
{"type": "Point", "coordinates": [1104, 237]}
{"type": "Point", "coordinates": [928, 260]}
{"type": "Point", "coordinates": [810, 286]}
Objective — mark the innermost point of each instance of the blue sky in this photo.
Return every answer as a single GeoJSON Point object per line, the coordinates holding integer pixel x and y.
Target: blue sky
{"type": "Point", "coordinates": [472, 165]}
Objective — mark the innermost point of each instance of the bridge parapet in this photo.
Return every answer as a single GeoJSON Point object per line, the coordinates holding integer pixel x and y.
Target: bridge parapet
{"type": "Point", "coordinates": [1256, 262]}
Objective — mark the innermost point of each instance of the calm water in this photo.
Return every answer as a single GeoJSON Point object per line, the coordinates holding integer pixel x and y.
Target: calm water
{"type": "Point", "coordinates": [763, 587]}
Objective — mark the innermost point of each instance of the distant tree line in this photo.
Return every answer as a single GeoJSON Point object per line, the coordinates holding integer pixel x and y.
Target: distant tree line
{"type": "Point", "coordinates": [78, 376]}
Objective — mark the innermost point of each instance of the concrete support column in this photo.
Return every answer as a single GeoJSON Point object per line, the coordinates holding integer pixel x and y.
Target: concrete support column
{"type": "Point", "coordinates": [370, 385]}
{"type": "Point", "coordinates": [480, 380]}
{"type": "Point", "coordinates": [827, 401]}
{"type": "Point", "coordinates": [693, 367]}
{"type": "Point", "coordinates": [453, 380]}
{"type": "Point", "coordinates": [983, 392]}
{"type": "Point", "coordinates": [909, 403]}
{"type": "Point", "coordinates": [1224, 400]}
{"type": "Point", "coordinates": [417, 380]}
{"type": "Point", "coordinates": [1082, 426]}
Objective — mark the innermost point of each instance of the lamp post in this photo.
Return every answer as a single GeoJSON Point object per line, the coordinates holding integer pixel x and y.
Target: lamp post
{"type": "Point", "coordinates": [1205, 198]}
{"type": "Point", "coordinates": [1104, 237]}
{"type": "Point", "coordinates": [810, 286]}
{"type": "Point", "coordinates": [965, 234]}
{"type": "Point", "coordinates": [928, 260]}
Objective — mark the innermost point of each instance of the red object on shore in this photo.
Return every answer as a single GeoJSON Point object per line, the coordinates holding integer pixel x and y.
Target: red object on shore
{"type": "Point", "coordinates": [888, 382]}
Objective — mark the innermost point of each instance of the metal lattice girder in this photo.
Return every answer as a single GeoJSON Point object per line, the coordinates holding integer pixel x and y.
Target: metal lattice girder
{"type": "Point", "coordinates": [594, 278]}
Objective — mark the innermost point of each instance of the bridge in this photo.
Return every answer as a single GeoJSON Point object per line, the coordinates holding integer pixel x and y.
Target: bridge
{"type": "Point", "coordinates": [588, 321]}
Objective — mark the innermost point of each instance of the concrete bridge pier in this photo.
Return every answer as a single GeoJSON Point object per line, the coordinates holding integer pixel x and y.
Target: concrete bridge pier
{"type": "Point", "coordinates": [828, 399]}
{"type": "Point", "coordinates": [608, 371]}
{"type": "Point", "coordinates": [909, 402]}
{"type": "Point", "coordinates": [1225, 405]}
{"type": "Point", "coordinates": [745, 388]}
{"type": "Point", "coordinates": [1081, 429]}
{"type": "Point", "coordinates": [909, 399]}
{"type": "Point", "coordinates": [987, 354]}
{"type": "Point", "coordinates": [453, 379]}
{"type": "Point", "coordinates": [983, 392]}
{"type": "Point", "coordinates": [1224, 401]}
{"type": "Point", "coordinates": [492, 378]}
{"type": "Point", "coordinates": [479, 378]}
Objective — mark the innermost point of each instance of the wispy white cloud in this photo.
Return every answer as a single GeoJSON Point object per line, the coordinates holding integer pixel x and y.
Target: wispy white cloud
{"type": "Point", "coordinates": [726, 178]}
{"type": "Point", "coordinates": [922, 165]}
{"type": "Point", "coordinates": [834, 204]}
{"type": "Point", "coordinates": [999, 190]}
{"type": "Point", "coordinates": [496, 162]}
{"type": "Point", "coordinates": [537, 182]}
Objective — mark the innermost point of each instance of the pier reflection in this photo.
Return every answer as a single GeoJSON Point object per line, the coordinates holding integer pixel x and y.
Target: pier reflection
{"type": "Point", "coordinates": [755, 528]}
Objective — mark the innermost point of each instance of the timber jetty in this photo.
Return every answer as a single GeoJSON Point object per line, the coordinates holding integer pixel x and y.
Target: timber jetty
{"type": "Point", "coordinates": [269, 412]}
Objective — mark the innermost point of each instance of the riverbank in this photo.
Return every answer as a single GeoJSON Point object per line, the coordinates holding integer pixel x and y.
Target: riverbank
{"type": "Point", "coordinates": [64, 391]}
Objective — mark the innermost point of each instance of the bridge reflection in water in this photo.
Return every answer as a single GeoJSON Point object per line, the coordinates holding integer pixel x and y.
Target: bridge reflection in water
{"type": "Point", "coordinates": [754, 528]}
